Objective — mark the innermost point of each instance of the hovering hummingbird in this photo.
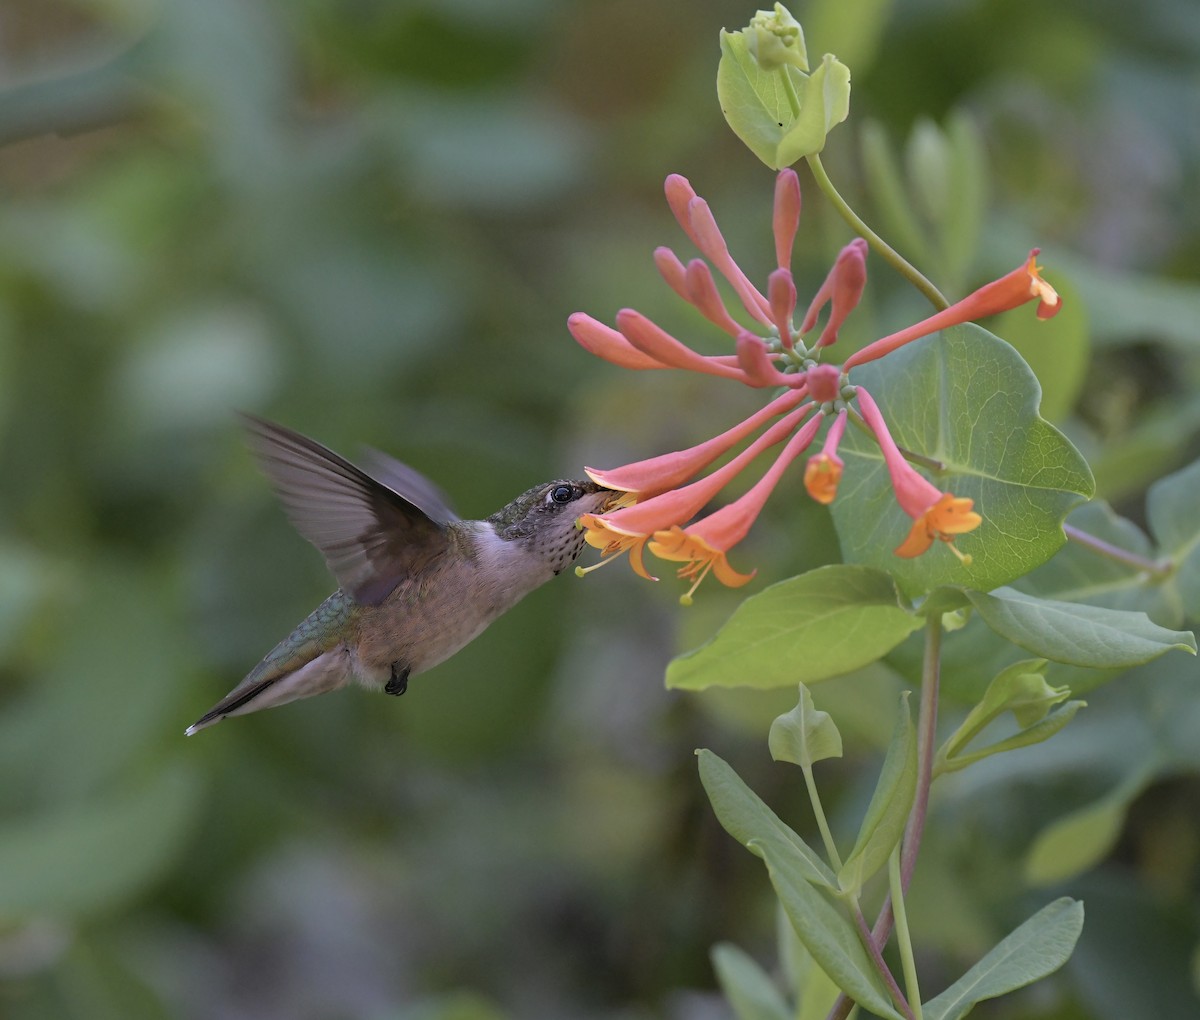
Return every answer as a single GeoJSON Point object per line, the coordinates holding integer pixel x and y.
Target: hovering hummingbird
{"type": "Point", "coordinates": [417, 583]}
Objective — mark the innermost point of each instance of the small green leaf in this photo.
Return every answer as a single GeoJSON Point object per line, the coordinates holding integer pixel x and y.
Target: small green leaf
{"type": "Point", "coordinates": [827, 933]}
{"type": "Point", "coordinates": [824, 103]}
{"type": "Point", "coordinates": [1034, 734]}
{"type": "Point", "coordinates": [757, 103]}
{"type": "Point", "coordinates": [1021, 689]}
{"type": "Point", "coordinates": [887, 814]}
{"type": "Point", "coordinates": [966, 399]}
{"type": "Point", "coordinates": [1038, 947]}
{"type": "Point", "coordinates": [804, 735]}
{"type": "Point", "coordinates": [927, 159]}
{"type": "Point", "coordinates": [754, 101]}
{"type": "Point", "coordinates": [751, 993]}
{"type": "Point", "coordinates": [966, 201]}
{"type": "Point", "coordinates": [748, 820]}
{"type": "Point", "coordinates": [890, 194]}
{"type": "Point", "coordinates": [821, 624]}
{"type": "Point", "coordinates": [1074, 633]}
{"type": "Point", "coordinates": [1077, 841]}
{"type": "Point", "coordinates": [1171, 507]}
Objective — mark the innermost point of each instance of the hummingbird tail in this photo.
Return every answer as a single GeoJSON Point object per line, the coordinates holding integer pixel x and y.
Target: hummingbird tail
{"type": "Point", "coordinates": [327, 672]}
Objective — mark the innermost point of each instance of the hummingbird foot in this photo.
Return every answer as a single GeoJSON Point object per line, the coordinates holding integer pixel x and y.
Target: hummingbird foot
{"type": "Point", "coordinates": [398, 684]}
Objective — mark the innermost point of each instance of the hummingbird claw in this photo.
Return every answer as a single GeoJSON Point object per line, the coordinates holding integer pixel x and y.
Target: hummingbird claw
{"type": "Point", "coordinates": [398, 684]}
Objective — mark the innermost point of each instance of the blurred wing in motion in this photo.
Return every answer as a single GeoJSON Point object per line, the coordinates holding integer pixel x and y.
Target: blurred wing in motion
{"type": "Point", "coordinates": [371, 535]}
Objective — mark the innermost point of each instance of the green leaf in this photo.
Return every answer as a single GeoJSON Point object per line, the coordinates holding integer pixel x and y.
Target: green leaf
{"type": "Point", "coordinates": [1077, 634]}
{"type": "Point", "coordinates": [1038, 947]}
{"type": "Point", "coordinates": [927, 160]}
{"type": "Point", "coordinates": [1171, 508]}
{"type": "Point", "coordinates": [1077, 574]}
{"type": "Point", "coordinates": [809, 986]}
{"type": "Point", "coordinates": [824, 103]}
{"type": "Point", "coordinates": [1078, 841]}
{"type": "Point", "coordinates": [748, 820]}
{"type": "Point", "coordinates": [965, 398]}
{"type": "Point", "coordinates": [965, 206]}
{"type": "Point", "coordinates": [889, 194]}
{"type": "Point", "coordinates": [751, 993]}
{"type": "Point", "coordinates": [1034, 734]}
{"type": "Point", "coordinates": [821, 624]}
{"type": "Point", "coordinates": [1020, 688]}
{"type": "Point", "coordinates": [804, 735]}
{"type": "Point", "coordinates": [80, 859]}
{"type": "Point", "coordinates": [827, 933]}
{"type": "Point", "coordinates": [887, 814]}
{"type": "Point", "coordinates": [1059, 350]}
{"type": "Point", "coordinates": [758, 108]}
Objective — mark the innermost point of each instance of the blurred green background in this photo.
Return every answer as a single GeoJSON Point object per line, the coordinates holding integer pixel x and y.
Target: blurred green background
{"type": "Point", "coordinates": [369, 219]}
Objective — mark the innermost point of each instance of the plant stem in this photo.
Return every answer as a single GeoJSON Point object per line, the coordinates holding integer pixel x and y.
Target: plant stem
{"type": "Point", "coordinates": [789, 90]}
{"type": "Point", "coordinates": [1158, 569]}
{"type": "Point", "coordinates": [822, 824]}
{"type": "Point", "coordinates": [890, 255]}
{"type": "Point", "coordinates": [903, 937]}
{"type": "Point", "coordinates": [926, 733]}
{"type": "Point", "coordinates": [881, 967]}
{"type": "Point", "coordinates": [931, 673]}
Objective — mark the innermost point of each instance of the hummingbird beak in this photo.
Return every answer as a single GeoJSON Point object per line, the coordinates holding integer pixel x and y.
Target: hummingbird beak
{"type": "Point", "coordinates": [616, 500]}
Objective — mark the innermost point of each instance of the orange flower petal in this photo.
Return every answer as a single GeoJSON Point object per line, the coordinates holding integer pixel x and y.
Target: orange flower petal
{"type": "Point", "coordinates": [698, 558]}
{"type": "Point", "coordinates": [952, 515]}
{"type": "Point", "coordinates": [920, 538]}
{"type": "Point", "coordinates": [822, 474]}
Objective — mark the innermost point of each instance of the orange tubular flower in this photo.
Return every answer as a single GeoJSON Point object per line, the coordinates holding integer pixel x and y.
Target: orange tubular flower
{"type": "Point", "coordinates": [949, 516]}
{"type": "Point", "coordinates": [842, 288]}
{"type": "Point", "coordinates": [1021, 285]}
{"type": "Point", "coordinates": [704, 546]}
{"type": "Point", "coordinates": [823, 471]}
{"type": "Point", "coordinates": [650, 477]}
{"type": "Point", "coordinates": [935, 514]}
{"type": "Point", "coordinates": [768, 351]}
{"type": "Point", "coordinates": [605, 342]}
{"type": "Point", "coordinates": [656, 342]}
{"type": "Point", "coordinates": [630, 528]}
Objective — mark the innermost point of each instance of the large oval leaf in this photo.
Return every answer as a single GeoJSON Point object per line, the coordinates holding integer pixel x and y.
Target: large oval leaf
{"type": "Point", "coordinates": [818, 625]}
{"type": "Point", "coordinates": [966, 399]}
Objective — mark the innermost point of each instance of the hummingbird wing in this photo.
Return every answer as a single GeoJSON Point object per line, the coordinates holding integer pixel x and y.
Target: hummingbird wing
{"type": "Point", "coordinates": [410, 484]}
{"type": "Point", "coordinates": [371, 536]}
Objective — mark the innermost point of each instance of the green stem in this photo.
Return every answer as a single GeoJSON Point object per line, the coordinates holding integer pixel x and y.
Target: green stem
{"type": "Point", "coordinates": [1158, 569]}
{"type": "Point", "coordinates": [822, 824]}
{"type": "Point", "coordinates": [789, 90]}
{"type": "Point", "coordinates": [881, 967]}
{"type": "Point", "coordinates": [890, 255]}
{"type": "Point", "coordinates": [902, 934]}
{"type": "Point", "coordinates": [926, 734]}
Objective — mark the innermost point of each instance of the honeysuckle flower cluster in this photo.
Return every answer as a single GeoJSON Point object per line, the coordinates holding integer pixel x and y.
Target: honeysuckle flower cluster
{"type": "Point", "coordinates": [663, 494]}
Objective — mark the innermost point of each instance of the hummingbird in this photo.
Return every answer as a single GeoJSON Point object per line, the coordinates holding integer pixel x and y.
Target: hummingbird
{"type": "Point", "coordinates": [416, 582]}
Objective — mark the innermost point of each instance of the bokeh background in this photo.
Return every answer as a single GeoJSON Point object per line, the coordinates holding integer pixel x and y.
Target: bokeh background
{"type": "Point", "coordinates": [369, 219]}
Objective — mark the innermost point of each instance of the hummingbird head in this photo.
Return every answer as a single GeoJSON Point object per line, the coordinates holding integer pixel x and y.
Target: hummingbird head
{"type": "Point", "coordinates": [543, 518]}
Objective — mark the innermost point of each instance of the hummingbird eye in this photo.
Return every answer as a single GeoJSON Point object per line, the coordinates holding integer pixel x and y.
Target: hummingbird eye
{"type": "Point", "coordinates": [562, 494]}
